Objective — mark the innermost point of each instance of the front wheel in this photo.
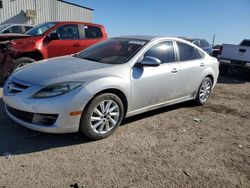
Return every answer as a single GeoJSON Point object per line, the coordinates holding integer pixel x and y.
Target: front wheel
{"type": "Point", "coordinates": [20, 62]}
{"type": "Point", "coordinates": [204, 91]}
{"type": "Point", "coordinates": [102, 116]}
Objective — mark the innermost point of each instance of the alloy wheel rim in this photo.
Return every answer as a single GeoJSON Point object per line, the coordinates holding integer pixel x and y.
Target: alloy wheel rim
{"type": "Point", "coordinates": [205, 91]}
{"type": "Point", "coordinates": [105, 116]}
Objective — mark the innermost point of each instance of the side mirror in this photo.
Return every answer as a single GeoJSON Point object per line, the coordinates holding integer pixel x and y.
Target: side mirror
{"type": "Point", "coordinates": [149, 61]}
{"type": "Point", "coordinates": [54, 36]}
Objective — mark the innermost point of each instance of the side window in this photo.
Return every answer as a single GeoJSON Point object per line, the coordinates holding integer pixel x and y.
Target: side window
{"type": "Point", "coordinates": [16, 29]}
{"type": "Point", "coordinates": [27, 28]}
{"type": "Point", "coordinates": [6, 31]}
{"type": "Point", "coordinates": [92, 32]}
{"type": "Point", "coordinates": [187, 52]}
{"type": "Point", "coordinates": [1, 4]}
{"type": "Point", "coordinates": [68, 32]}
{"type": "Point", "coordinates": [164, 51]}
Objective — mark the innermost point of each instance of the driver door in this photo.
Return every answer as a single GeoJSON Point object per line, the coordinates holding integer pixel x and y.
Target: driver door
{"type": "Point", "coordinates": [68, 42]}
{"type": "Point", "coordinates": [155, 85]}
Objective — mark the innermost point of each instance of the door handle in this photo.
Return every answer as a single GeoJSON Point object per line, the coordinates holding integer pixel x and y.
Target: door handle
{"type": "Point", "coordinates": [174, 70]}
{"type": "Point", "coordinates": [202, 64]}
{"type": "Point", "coordinates": [77, 45]}
{"type": "Point", "coordinates": [242, 50]}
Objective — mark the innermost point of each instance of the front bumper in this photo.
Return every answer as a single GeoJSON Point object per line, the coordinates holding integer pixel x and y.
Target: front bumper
{"type": "Point", "coordinates": [60, 106]}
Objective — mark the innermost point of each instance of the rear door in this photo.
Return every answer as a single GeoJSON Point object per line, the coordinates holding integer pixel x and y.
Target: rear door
{"type": "Point", "coordinates": [91, 35]}
{"type": "Point", "coordinates": [191, 66]}
{"type": "Point", "coordinates": [68, 42]}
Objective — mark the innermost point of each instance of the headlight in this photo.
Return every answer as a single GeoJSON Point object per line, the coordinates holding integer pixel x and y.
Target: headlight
{"type": "Point", "coordinates": [56, 89]}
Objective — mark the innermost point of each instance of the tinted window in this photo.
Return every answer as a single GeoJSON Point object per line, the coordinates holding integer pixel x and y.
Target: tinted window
{"type": "Point", "coordinates": [187, 52]}
{"type": "Point", "coordinates": [92, 32]}
{"type": "Point", "coordinates": [16, 29]}
{"type": "Point", "coordinates": [112, 51]}
{"type": "Point", "coordinates": [27, 28]}
{"type": "Point", "coordinates": [163, 51]}
{"type": "Point", "coordinates": [41, 29]}
{"type": "Point", "coordinates": [245, 43]}
{"type": "Point", "coordinates": [1, 4]}
{"type": "Point", "coordinates": [68, 32]}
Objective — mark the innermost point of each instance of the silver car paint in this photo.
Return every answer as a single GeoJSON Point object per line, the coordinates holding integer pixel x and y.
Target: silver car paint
{"type": "Point", "coordinates": [145, 88]}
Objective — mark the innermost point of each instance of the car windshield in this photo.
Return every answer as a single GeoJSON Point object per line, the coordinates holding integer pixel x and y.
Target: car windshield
{"type": "Point", "coordinates": [2, 27]}
{"type": "Point", "coordinates": [40, 29]}
{"type": "Point", "coordinates": [113, 51]}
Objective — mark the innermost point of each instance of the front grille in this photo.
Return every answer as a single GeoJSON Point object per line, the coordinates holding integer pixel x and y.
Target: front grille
{"type": "Point", "coordinates": [24, 116]}
{"type": "Point", "coordinates": [15, 86]}
{"type": "Point", "coordinates": [38, 119]}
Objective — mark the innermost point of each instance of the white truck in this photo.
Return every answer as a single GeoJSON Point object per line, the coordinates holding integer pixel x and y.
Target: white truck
{"type": "Point", "coordinates": [235, 56]}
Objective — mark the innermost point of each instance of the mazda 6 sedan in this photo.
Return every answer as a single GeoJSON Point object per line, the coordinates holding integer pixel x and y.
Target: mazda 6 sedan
{"type": "Point", "coordinates": [93, 91]}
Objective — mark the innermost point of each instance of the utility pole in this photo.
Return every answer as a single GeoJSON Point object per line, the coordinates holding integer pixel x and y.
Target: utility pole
{"type": "Point", "coordinates": [213, 40]}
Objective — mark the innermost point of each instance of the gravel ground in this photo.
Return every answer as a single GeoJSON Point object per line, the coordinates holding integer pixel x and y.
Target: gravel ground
{"type": "Point", "coordinates": [169, 147]}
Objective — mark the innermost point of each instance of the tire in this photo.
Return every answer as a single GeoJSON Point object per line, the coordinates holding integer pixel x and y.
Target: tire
{"type": "Point", "coordinates": [223, 69]}
{"type": "Point", "coordinates": [205, 88]}
{"type": "Point", "coordinates": [96, 123]}
{"type": "Point", "coordinates": [20, 62]}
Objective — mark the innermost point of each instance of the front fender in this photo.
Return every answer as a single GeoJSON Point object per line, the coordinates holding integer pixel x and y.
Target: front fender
{"type": "Point", "coordinates": [102, 84]}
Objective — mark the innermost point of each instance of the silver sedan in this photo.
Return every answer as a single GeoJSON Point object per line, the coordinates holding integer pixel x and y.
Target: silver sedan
{"type": "Point", "coordinates": [93, 91]}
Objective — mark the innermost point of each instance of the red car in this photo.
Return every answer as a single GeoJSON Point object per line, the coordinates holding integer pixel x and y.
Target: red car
{"type": "Point", "coordinates": [50, 39]}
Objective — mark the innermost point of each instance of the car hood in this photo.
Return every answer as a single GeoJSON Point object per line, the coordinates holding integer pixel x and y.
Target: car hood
{"type": "Point", "coordinates": [56, 70]}
{"type": "Point", "coordinates": [4, 37]}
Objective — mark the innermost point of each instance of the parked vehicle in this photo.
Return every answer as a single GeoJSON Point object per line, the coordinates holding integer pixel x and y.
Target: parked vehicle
{"type": "Point", "coordinates": [120, 77]}
{"type": "Point", "coordinates": [14, 28]}
{"type": "Point", "coordinates": [217, 49]}
{"type": "Point", "coordinates": [202, 43]}
{"type": "Point", "coordinates": [235, 56]}
{"type": "Point", "coordinates": [50, 39]}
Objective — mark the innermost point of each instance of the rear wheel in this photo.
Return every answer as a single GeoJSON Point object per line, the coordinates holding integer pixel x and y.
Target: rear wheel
{"type": "Point", "coordinates": [102, 116]}
{"type": "Point", "coordinates": [204, 91]}
{"type": "Point", "coordinates": [20, 62]}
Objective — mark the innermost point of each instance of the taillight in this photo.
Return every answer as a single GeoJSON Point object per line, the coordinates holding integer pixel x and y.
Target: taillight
{"type": "Point", "coordinates": [220, 50]}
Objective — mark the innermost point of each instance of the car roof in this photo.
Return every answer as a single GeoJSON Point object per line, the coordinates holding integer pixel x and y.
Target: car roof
{"type": "Point", "coordinates": [191, 39]}
{"type": "Point", "coordinates": [149, 37]}
{"type": "Point", "coordinates": [75, 22]}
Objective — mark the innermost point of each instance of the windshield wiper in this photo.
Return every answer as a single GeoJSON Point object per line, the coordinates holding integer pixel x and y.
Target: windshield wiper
{"type": "Point", "coordinates": [87, 58]}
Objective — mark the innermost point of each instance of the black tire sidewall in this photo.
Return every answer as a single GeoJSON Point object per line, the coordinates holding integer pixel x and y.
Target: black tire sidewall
{"type": "Point", "coordinates": [85, 126]}
{"type": "Point", "coordinates": [22, 60]}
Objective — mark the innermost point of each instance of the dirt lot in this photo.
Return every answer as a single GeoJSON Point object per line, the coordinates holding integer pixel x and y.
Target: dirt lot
{"type": "Point", "coordinates": [163, 148]}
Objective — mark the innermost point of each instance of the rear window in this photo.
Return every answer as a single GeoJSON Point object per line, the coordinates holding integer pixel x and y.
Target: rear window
{"type": "Point", "coordinates": [27, 28]}
{"type": "Point", "coordinates": [92, 32]}
{"type": "Point", "coordinates": [245, 43]}
{"type": "Point", "coordinates": [204, 43]}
